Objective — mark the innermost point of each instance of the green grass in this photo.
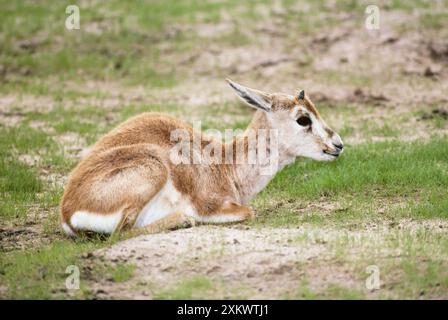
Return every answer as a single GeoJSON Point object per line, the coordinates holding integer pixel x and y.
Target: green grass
{"type": "Point", "coordinates": [23, 139]}
{"type": "Point", "coordinates": [194, 288]}
{"type": "Point", "coordinates": [18, 188]}
{"type": "Point", "coordinates": [366, 177]}
{"type": "Point", "coordinates": [40, 273]}
{"type": "Point", "coordinates": [19, 184]}
{"type": "Point", "coordinates": [388, 168]}
{"type": "Point", "coordinates": [122, 273]}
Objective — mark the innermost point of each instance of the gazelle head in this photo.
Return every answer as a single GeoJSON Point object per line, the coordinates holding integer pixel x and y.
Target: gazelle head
{"type": "Point", "coordinates": [301, 130]}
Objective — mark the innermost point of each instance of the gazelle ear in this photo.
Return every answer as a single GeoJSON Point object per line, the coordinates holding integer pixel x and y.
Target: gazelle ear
{"type": "Point", "coordinates": [252, 97]}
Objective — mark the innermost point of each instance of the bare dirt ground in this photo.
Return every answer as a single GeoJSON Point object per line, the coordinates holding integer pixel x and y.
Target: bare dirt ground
{"type": "Point", "coordinates": [255, 261]}
{"type": "Point", "coordinates": [260, 263]}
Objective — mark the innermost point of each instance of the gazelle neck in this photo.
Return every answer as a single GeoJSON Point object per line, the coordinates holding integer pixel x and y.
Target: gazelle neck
{"type": "Point", "coordinates": [256, 170]}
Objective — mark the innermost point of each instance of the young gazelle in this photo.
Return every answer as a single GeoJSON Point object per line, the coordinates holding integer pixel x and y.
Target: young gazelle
{"type": "Point", "coordinates": [130, 180]}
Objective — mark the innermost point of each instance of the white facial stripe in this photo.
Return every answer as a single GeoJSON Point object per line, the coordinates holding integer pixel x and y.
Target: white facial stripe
{"type": "Point", "coordinates": [318, 128]}
{"type": "Point", "coordinates": [303, 110]}
{"type": "Point", "coordinates": [295, 112]}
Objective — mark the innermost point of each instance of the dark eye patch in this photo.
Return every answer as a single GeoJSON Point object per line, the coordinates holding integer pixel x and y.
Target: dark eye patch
{"type": "Point", "coordinates": [304, 121]}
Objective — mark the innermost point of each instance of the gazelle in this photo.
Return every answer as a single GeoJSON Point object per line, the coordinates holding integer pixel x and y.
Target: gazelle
{"type": "Point", "coordinates": [129, 179]}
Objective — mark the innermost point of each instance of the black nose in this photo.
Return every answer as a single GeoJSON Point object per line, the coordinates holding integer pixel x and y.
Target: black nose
{"type": "Point", "coordinates": [339, 146]}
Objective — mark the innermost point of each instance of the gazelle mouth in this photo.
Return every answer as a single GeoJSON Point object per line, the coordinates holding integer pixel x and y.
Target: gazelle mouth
{"type": "Point", "coordinates": [331, 154]}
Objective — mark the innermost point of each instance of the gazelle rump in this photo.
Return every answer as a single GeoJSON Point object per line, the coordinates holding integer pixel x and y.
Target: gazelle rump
{"type": "Point", "coordinates": [130, 180]}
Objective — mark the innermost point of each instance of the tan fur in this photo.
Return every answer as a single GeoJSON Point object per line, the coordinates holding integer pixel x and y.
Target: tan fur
{"type": "Point", "coordinates": [127, 167]}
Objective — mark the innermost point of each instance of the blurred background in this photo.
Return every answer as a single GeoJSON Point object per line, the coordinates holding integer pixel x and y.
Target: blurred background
{"type": "Point", "coordinates": [176, 53]}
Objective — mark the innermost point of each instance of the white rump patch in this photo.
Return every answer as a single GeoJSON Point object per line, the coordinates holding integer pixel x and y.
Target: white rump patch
{"type": "Point", "coordinates": [102, 223]}
{"type": "Point", "coordinates": [68, 230]}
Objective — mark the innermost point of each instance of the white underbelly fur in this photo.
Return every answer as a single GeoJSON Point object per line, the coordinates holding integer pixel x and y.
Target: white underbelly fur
{"type": "Point", "coordinates": [167, 201]}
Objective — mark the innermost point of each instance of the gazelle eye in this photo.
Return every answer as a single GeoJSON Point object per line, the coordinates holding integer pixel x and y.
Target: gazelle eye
{"type": "Point", "coordinates": [304, 121]}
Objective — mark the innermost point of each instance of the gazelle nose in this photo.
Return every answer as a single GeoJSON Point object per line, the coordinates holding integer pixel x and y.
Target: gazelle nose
{"type": "Point", "coordinates": [338, 146]}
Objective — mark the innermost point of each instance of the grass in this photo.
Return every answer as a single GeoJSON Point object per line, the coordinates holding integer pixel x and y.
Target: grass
{"type": "Point", "coordinates": [41, 274]}
{"type": "Point", "coordinates": [122, 273]}
{"type": "Point", "coordinates": [194, 288]}
{"type": "Point", "coordinates": [19, 183]}
{"type": "Point", "coordinates": [367, 177]}
{"type": "Point", "coordinates": [18, 186]}
{"type": "Point", "coordinates": [386, 167]}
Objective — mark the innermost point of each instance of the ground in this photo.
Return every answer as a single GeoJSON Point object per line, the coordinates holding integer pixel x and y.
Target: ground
{"type": "Point", "coordinates": [319, 227]}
